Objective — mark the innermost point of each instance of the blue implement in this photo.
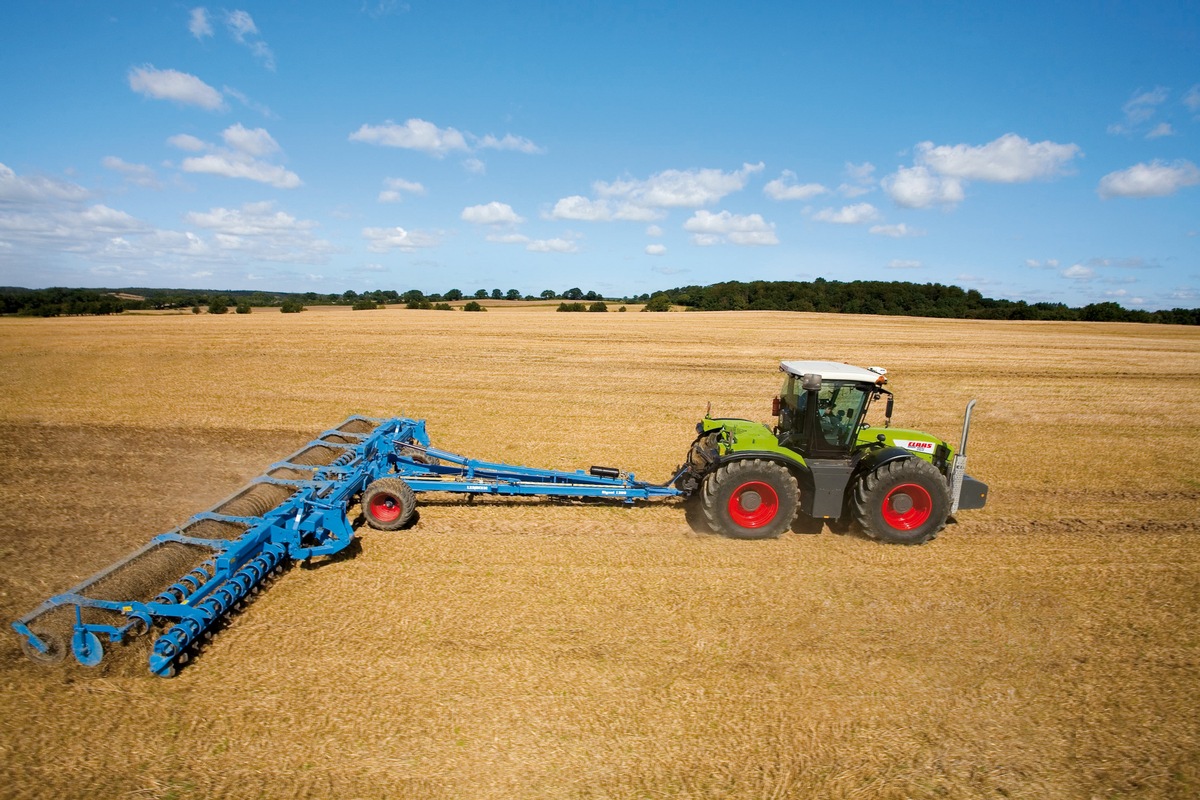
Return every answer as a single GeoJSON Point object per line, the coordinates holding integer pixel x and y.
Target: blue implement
{"type": "Point", "coordinates": [183, 582]}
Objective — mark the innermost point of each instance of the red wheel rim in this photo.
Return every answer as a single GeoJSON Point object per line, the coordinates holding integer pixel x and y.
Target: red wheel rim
{"type": "Point", "coordinates": [753, 504]}
{"type": "Point", "coordinates": [907, 506]}
{"type": "Point", "coordinates": [384, 508]}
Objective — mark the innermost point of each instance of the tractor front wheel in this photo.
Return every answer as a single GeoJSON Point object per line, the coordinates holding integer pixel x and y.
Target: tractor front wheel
{"type": "Point", "coordinates": [752, 499]}
{"type": "Point", "coordinates": [902, 502]}
{"type": "Point", "coordinates": [389, 504]}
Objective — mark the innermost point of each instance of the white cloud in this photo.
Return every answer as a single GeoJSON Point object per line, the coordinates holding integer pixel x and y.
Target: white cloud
{"type": "Point", "coordinates": [414, 134]}
{"type": "Point", "coordinates": [198, 23]}
{"type": "Point", "coordinates": [260, 231]}
{"type": "Point", "coordinates": [785, 188]}
{"type": "Point", "coordinates": [678, 188]}
{"type": "Point", "coordinates": [243, 158]}
{"type": "Point", "coordinates": [1160, 130]}
{"type": "Point", "coordinates": [1139, 108]}
{"type": "Point", "coordinates": [1156, 179]}
{"type": "Point", "coordinates": [1009, 159]}
{"type": "Point", "coordinates": [856, 214]}
{"type": "Point", "coordinates": [899, 231]}
{"type": "Point", "coordinates": [1078, 272]}
{"type": "Point", "coordinates": [900, 263]}
{"type": "Point", "coordinates": [577, 207]}
{"type": "Point", "coordinates": [1050, 263]}
{"type": "Point", "coordinates": [1192, 99]}
{"type": "Point", "coordinates": [509, 142]}
{"type": "Point", "coordinates": [185, 141]}
{"type": "Point", "coordinates": [861, 179]}
{"type": "Point", "coordinates": [396, 187]}
{"type": "Point", "coordinates": [232, 165]}
{"type": "Point", "coordinates": [255, 142]}
{"type": "Point", "coordinates": [27, 190]}
{"type": "Point", "coordinates": [552, 246]}
{"type": "Point", "coordinates": [493, 213]}
{"type": "Point", "coordinates": [474, 166]}
{"type": "Point", "coordinates": [241, 97]}
{"type": "Point", "coordinates": [382, 240]}
{"type": "Point", "coordinates": [656, 249]}
{"type": "Point", "coordinates": [137, 174]}
{"type": "Point", "coordinates": [242, 28]}
{"type": "Point", "coordinates": [916, 187]}
{"type": "Point", "coordinates": [750, 229]}
{"type": "Point", "coordinates": [180, 87]}
{"type": "Point", "coordinates": [654, 230]}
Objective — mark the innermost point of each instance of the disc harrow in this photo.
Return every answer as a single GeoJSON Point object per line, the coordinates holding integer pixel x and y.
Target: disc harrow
{"type": "Point", "coordinates": [182, 583]}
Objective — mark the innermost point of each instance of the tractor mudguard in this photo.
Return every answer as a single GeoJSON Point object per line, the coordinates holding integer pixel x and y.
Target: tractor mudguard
{"type": "Point", "coordinates": [876, 458]}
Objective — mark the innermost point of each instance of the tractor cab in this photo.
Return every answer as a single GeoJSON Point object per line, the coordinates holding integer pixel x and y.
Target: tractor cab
{"type": "Point", "coordinates": [823, 404]}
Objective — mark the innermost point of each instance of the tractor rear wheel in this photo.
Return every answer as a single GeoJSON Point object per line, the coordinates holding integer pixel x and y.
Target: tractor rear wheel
{"type": "Point", "coordinates": [389, 504]}
{"type": "Point", "coordinates": [752, 499]}
{"type": "Point", "coordinates": [902, 502]}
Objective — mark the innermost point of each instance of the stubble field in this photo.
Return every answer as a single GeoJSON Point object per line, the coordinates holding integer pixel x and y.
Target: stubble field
{"type": "Point", "coordinates": [1046, 646]}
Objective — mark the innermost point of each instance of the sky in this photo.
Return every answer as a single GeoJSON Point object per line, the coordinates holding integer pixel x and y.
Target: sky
{"type": "Point", "coordinates": [1029, 150]}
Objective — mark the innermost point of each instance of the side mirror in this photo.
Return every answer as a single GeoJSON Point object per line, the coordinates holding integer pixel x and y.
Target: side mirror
{"type": "Point", "coordinates": [887, 412]}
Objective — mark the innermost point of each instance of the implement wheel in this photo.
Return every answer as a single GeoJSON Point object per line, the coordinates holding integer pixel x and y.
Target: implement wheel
{"type": "Point", "coordinates": [902, 502]}
{"type": "Point", "coordinates": [752, 499]}
{"type": "Point", "coordinates": [388, 504]}
{"type": "Point", "coordinates": [56, 647]}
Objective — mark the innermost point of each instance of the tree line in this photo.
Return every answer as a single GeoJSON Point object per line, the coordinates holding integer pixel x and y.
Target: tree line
{"type": "Point", "coordinates": [897, 298]}
{"type": "Point", "coordinates": [892, 298]}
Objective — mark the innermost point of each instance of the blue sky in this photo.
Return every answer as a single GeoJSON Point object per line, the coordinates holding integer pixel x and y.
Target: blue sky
{"type": "Point", "coordinates": [1037, 151]}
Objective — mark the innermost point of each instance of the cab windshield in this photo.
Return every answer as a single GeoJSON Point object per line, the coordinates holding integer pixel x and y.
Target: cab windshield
{"type": "Point", "coordinates": [839, 409]}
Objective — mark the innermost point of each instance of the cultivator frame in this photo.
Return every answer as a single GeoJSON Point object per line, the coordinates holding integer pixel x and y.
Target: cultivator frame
{"type": "Point", "coordinates": [185, 581]}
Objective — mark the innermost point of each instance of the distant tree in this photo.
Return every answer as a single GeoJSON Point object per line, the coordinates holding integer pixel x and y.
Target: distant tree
{"type": "Point", "coordinates": [412, 295]}
{"type": "Point", "coordinates": [591, 296]}
{"type": "Point", "coordinates": [572, 307]}
{"type": "Point", "coordinates": [481, 294]}
{"type": "Point", "coordinates": [453, 294]}
{"type": "Point", "coordinates": [599, 305]}
{"type": "Point", "coordinates": [291, 306]}
{"type": "Point", "coordinates": [196, 309]}
{"type": "Point", "coordinates": [548, 294]}
{"type": "Point", "coordinates": [443, 307]}
{"type": "Point", "coordinates": [243, 307]}
{"type": "Point", "coordinates": [659, 302]}
{"type": "Point", "coordinates": [497, 294]}
{"type": "Point", "coordinates": [349, 295]}
{"type": "Point", "coordinates": [512, 294]}
{"type": "Point", "coordinates": [473, 306]}
{"type": "Point", "coordinates": [622, 308]}
{"type": "Point", "coordinates": [419, 304]}
{"type": "Point", "coordinates": [573, 294]}
{"type": "Point", "coordinates": [365, 304]}
{"type": "Point", "coordinates": [218, 305]}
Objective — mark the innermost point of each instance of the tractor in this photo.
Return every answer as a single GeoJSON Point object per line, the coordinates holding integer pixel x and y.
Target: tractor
{"type": "Point", "coordinates": [822, 465]}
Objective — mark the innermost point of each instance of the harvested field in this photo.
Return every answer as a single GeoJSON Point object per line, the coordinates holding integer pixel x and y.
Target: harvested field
{"type": "Point", "coordinates": [1047, 646]}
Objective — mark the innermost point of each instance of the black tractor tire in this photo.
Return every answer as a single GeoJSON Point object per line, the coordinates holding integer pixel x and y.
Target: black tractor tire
{"type": "Point", "coordinates": [902, 502]}
{"type": "Point", "coordinates": [751, 499]}
{"type": "Point", "coordinates": [389, 504]}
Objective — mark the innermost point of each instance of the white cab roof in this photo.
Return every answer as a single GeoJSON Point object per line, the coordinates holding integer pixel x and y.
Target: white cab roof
{"type": "Point", "coordinates": [831, 371]}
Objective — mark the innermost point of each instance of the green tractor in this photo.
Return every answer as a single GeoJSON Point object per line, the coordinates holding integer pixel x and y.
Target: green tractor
{"type": "Point", "coordinates": [823, 464]}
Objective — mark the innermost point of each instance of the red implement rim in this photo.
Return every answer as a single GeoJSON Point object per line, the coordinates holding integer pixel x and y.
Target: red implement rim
{"type": "Point", "coordinates": [753, 504]}
{"type": "Point", "coordinates": [384, 508]}
{"type": "Point", "coordinates": [907, 506]}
